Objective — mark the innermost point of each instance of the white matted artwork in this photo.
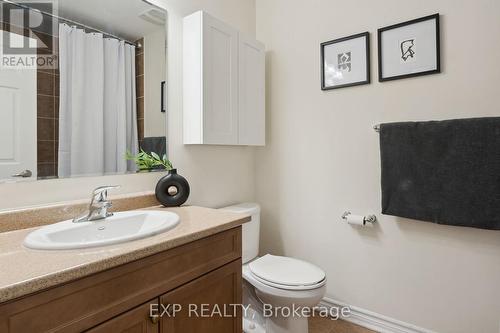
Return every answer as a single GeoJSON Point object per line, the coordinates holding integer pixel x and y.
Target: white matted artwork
{"type": "Point", "coordinates": [345, 62]}
{"type": "Point", "coordinates": [409, 49]}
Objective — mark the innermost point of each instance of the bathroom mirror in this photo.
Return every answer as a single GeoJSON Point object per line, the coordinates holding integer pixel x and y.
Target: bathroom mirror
{"type": "Point", "coordinates": [82, 88]}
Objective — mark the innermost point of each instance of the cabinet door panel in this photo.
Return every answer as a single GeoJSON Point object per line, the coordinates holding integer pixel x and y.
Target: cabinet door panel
{"type": "Point", "coordinates": [220, 86]}
{"type": "Point", "coordinates": [220, 288]}
{"type": "Point", "coordinates": [137, 320]}
{"type": "Point", "coordinates": [251, 117]}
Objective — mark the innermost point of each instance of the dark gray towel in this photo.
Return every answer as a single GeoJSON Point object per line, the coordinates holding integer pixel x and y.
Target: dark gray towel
{"type": "Point", "coordinates": [447, 172]}
{"type": "Point", "coordinates": [156, 144]}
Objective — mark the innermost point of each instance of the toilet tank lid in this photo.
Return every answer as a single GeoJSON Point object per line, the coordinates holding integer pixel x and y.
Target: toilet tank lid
{"type": "Point", "coordinates": [243, 208]}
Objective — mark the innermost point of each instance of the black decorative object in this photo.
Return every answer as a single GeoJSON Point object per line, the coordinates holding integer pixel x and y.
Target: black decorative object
{"type": "Point", "coordinates": [163, 96]}
{"type": "Point", "coordinates": [345, 62]}
{"type": "Point", "coordinates": [172, 190]}
{"type": "Point", "coordinates": [409, 49]}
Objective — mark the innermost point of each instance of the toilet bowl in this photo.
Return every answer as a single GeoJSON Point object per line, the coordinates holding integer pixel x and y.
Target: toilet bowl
{"type": "Point", "coordinates": [278, 291]}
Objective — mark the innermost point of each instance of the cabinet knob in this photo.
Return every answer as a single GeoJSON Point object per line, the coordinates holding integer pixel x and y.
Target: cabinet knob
{"type": "Point", "coordinates": [155, 319]}
{"type": "Point", "coordinates": [167, 309]}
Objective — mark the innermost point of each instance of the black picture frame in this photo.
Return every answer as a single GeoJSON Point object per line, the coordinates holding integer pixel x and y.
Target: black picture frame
{"type": "Point", "coordinates": [163, 96]}
{"type": "Point", "coordinates": [403, 24]}
{"type": "Point", "coordinates": [365, 35]}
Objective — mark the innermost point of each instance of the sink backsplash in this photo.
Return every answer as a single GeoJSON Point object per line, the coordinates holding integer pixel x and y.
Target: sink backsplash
{"type": "Point", "coordinates": [42, 215]}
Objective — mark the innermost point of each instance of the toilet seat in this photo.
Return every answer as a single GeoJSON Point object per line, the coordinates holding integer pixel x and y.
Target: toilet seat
{"type": "Point", "coordinates": [283, 296]}
{"type": "Point", "coordinates": [296, 295]}
{"type": "Point", "coordinates": [286, 273]}
{"type": "Point", "coordinates": [287, 287]}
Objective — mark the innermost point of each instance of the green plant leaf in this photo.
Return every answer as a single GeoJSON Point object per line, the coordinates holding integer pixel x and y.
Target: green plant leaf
{"type": "Point", "coordinates": [145, 161]}
{"type": "Point", "coordinates": [155, 156]}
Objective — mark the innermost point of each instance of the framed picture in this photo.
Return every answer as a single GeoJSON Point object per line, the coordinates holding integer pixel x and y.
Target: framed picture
{"type": "Point", "coordinates": [345, 62]}
{"type": "Point", "coordinates": [409, 49]}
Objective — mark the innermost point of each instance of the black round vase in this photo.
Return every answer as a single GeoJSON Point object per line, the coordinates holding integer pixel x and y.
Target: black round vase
{"type": "Point", "coordinates": [172, 190]}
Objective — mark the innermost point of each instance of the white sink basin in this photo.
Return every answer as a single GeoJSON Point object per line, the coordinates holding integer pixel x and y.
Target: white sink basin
{"type": "Point", "coordinates": [119, 228]}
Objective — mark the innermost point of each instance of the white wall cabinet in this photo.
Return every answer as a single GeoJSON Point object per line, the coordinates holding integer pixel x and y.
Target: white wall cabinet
{"type": "Point", "coordinates": [223, 84]}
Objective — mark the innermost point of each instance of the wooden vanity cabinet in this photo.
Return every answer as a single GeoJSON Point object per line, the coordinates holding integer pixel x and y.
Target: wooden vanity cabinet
{"type": "Point", "coordinates": [206, 271]}
{"type": "Point", "coordinates": [214, 293]}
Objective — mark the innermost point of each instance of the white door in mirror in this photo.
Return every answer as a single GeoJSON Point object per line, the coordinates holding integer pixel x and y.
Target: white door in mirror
{"type": "Point", "coordinates": [119, 228]}
{"type": "Point", "coordinates": [18, 122]}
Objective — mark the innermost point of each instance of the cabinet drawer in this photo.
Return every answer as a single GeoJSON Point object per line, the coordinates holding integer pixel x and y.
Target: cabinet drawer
{"type": "Point", "coordinates": [89, 301]}
{"type": "Point", "coordinates": [137, 320]}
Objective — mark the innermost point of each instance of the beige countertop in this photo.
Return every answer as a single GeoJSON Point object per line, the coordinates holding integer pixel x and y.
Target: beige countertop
{"type": "Point", "coordinates": [24, 271]}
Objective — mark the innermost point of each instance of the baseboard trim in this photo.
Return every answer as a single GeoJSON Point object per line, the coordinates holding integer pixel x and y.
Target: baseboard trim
{"type": "Point", "coordinates": [372, 320]}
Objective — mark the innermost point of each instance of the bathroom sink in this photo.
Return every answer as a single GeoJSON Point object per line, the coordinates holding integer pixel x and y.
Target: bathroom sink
{"type": "Point", "coordinates": [119, 228]}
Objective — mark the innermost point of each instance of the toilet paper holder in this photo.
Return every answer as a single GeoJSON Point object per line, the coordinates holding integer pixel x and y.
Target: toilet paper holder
{"type": "Point", "coordinates": [369, 218]}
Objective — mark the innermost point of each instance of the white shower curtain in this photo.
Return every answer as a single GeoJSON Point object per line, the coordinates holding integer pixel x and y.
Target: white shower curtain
{"type": "Point", "coordinates": [97, 111]}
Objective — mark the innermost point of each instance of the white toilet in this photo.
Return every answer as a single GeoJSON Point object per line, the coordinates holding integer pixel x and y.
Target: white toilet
{"type": "Point", "coordinates": [280, 282]}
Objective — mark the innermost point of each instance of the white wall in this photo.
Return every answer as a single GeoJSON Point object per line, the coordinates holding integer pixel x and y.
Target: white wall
{"type": "Point", "coordinates": [323, 158]}
{"type": "Point", "coordinates": [217, 175]}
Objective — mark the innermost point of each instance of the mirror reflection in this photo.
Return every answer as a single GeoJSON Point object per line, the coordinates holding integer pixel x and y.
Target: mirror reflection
{"type": "Point", "coordinates": [92, 97]}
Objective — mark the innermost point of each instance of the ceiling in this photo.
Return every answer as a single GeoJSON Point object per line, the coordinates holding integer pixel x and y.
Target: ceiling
{"type": "Point", "coordinates": [117, 17]}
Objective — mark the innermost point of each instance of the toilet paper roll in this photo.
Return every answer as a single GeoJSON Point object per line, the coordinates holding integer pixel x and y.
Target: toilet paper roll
{"type": "Point", "coordinates": [355, 219]}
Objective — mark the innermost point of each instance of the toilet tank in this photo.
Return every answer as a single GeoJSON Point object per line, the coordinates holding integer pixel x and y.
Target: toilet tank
{"type": "Point", "coordinates": [250, 230]}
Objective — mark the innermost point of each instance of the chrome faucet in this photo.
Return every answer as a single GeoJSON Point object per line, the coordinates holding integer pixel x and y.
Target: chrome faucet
{"type": "Point", "coordinates": [98, 208]}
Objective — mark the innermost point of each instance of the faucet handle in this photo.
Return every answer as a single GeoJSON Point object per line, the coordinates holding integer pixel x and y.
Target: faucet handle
{"type": "Point", "coordinates": [100, 193]}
